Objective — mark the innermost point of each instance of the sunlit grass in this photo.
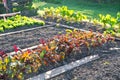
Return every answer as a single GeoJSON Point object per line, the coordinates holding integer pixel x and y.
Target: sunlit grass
{"type": "Point", "coordinates": [88, 8]}
{"type": "Point", "coordinates": [38, 4]}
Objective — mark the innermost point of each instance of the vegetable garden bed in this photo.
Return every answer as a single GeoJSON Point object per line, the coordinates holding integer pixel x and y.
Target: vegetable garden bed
{"type": "Point", "coordinates": [27, 38]}
{"type": "Point", "coordinates": [81, 48]}
{"type": "Point", "coordinates": [105, 24]}
{"type": "Point", "coordinates": [105, 68]}
{"type": "Point", "coordinates": [18, 22]}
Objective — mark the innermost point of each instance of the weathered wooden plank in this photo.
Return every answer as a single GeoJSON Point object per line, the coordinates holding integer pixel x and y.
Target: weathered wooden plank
{"type": "Point", "coordinates": [15, 32]}
{"type": "Point", "coordinates": [65, 68]}
{"type": "Point", "coordinates": [9, 14]}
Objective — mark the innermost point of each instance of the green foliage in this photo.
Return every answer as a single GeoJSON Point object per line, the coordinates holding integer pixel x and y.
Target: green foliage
{"type": "Point", "coordinates": [18, 21]}
{"type": "Point", "coordinates": [107, 20]}
{"type": "Point", "coordinates": [42, 54]}
{"type": "Point", "coordinates": [62, 13]}
{"type": "Point", "coordinates": [111, 24]}
{"type": "Point", "coordinates": [118, 17]}
{"type": "Point", "coordinates": [1, 29]}
{"type": "Point", "coordinates": [88, 7]}
{"type": "Point", "coordinates": [105, 1]}
{"type": "Point", "coordinates": [53, 1]}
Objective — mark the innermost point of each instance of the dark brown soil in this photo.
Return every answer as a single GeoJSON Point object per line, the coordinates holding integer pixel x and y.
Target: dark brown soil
{"type": "Point", "coordinates": [82, 25]}
{"type": "Point", "coordinates": [105, 68]}
{"type": "Point", "coordinates": [28, 38]}
{"type": "Point", "coordinates": [104, 53]}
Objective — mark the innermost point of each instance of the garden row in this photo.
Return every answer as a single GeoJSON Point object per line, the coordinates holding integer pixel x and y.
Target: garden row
{"type": "Point", "coordinates": [27, 38]}
{"type": "Point", "coordinates": [107, 23]}
{"type": "Point", "coordinates": [49, 51]}
{"type": "Point", "coordinates": [18, 21]}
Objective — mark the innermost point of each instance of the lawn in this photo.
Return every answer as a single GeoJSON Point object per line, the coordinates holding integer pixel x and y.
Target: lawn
{"type": "Point", "coordinates": [86, 7]}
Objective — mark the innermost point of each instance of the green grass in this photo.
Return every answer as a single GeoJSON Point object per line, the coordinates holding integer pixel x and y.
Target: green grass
{"type": "Point", "coordinates": [88, 8]}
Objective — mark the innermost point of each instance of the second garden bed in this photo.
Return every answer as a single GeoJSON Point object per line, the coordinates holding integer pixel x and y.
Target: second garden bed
{"type": "Point", "coordinates": [70, 47]}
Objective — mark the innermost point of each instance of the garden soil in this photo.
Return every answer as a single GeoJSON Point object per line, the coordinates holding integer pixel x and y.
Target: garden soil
{"type": "Point", "coordinates": [105, 68]}
{"type": "Point", "coordinates": [28, 38]}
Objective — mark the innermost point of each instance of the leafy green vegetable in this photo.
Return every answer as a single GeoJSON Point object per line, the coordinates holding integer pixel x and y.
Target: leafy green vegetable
{"type": "Point", "coordinates": [1, 29]}
{"type": "Point", "coordinates": [42, 54]}
{"type": "Point", "coordinates": [18, 21]}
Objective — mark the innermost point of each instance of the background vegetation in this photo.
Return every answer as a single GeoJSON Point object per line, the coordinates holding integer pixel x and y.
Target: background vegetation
{"type": "Point", "coordinates": [88, 7]}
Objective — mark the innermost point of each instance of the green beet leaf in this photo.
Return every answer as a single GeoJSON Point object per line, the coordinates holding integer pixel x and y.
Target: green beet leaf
{"type": "Point", "coordinates": [1, 29]}
{"type": "Point", "coordinates": [42, 54]}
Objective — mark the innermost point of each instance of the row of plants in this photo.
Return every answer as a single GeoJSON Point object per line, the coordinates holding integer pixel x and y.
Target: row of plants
{"type": "Point", "coordinates": [62, 13]}
{"type": "Point", "coordinates": [110, 24]}
{"type": "Point", "coordinates": [18, 21]}
{"type": "Point", "coordinates": [48, 52]}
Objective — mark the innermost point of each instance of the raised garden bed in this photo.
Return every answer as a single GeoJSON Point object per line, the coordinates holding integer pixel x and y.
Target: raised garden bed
{"type": "Point", "coordinates": [57, 71]}
{"type": "Point", "coordinates": [105, 24]}
{"type": "Point", "coordinates": [31, 38]}
{"type": "Point", "coordinates": [27, 38]}
{"type": "Point", "coordinates": [105, 68]}
{"type": "Point", "coordinates": [85, 25]}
